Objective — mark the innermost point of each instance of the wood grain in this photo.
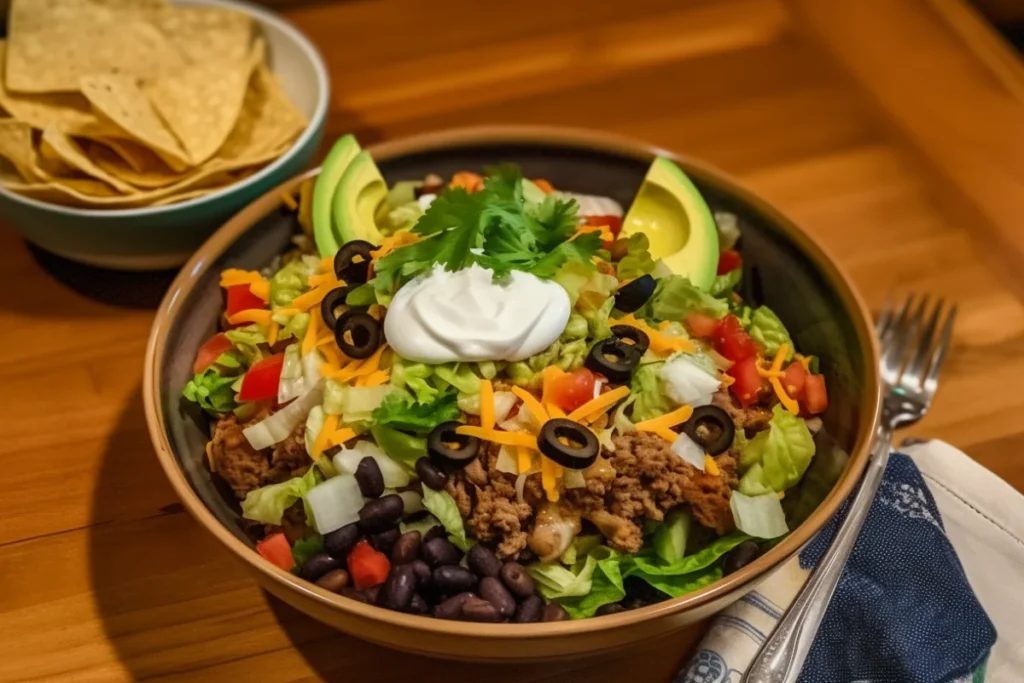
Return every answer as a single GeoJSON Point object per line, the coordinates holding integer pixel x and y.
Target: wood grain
{"type": "Point", "coordinates": [909, 183]}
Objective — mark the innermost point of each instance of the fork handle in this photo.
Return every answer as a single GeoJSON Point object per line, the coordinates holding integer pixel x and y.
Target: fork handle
{"type": "Point", "coordinates": [782, 656]}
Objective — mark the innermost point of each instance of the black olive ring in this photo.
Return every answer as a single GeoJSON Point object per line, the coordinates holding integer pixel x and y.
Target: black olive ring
{"type": "Point", "coordinates": [350, 270]}
{"type": "Point", "coordinates": [449, 449]}
{"type": "Point", "coordinates": [718, 429]}
{"type": "Point", "coordinates": [641, 342]}
{"type": "Point", "coordinates": [568, 443]}
{"type": "Point", "coordinates": [330, 304]}
{"type": "Point", "coordinates": [613, 358]}
{"type": "Point", "coordinates": [358, 334]}
{"type": "Point", "coordinates": [632, 296]}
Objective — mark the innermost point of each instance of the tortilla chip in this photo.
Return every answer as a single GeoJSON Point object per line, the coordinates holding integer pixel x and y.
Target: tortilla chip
{"type": "Point", "coordinates": [153, 176]}
{"type": "Point", "coordinates": [52, 164]}
{"type": "Point", "coordinates": [184, 196]}
{"type": "Point", "coordinates": [75, 156]}
{"type": "Point", "coordinates": [54, 43]}
{"type": "Point", "coordinates": [268, 121]}
{"type": "Point", "coordinates": [16, 147]}
{"type": "Point", "coordinates": [206, 34]}
{"type": "Point", "coordinates": [138, 158]}
{"type": "Point", "coordinates": [201, 104]}
{"type": "Point", "coordinates": [120, 99]}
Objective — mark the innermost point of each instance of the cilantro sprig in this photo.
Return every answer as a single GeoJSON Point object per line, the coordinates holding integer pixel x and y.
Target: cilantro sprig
{"type": "Point", "coordinates": [494, 227]}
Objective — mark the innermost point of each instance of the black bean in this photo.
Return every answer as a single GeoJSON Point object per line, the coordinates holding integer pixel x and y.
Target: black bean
{"type": "Point", "coordinates": [407, 547]}
{"type": "Point", "coordinates": [339, 542]}
{"type": "Point", "coordinates": [439, 551]}
{"type": "Point", "coordinates": [475, 609]}
{"type": "Point", "coordinates": [399, 588]}
{"type": "Point", "coordinates": [417, 605]}
{"type": "Point", "coordinates": [453, 579]}
{"type": "Point", "coordinates": [610, 608]}
{"type": "Point", "coordinates": [372, 594]}
{"type": "Point", "coordinates": [483, 561]}
{"type": "Point", "coordinates": [334, 580]}
{"type": "Point", "coordinates": [554, 612]}
{"type": "Point", "coordinates": [385, 540]}
{"type": "Point", "coordinates": [379, 514]}
{"type": "Point", "coordinates": [433, 532]}
{"type": "Point", "coordinates": [430, 474]}
{"type": "Point", "coordinates": [740, 556]}
{"type": "Point", "coordinates": [452, 607]}
{"type": "Point", "coordinates": [423, 573]}
{"type": "Point", "coordinates": [369, 478]}
{"type": "Point", "coordinates": [493, 591]}
{"type": "Point", "coordinates": [530, 611]}
{"type": "Point", "coordinates": [318, 565]}
{"type": "Point", "coordinates": [517, 579]}
{"type": "Point", "coordinates": [355, 594]}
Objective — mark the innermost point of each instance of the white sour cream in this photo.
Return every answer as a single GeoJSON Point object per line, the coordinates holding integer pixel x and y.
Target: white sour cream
{"type": "Point", "coordinates": [465, 316]}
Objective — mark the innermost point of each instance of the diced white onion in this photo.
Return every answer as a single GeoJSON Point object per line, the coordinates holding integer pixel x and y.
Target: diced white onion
{"type": "Point", "coordinates": [347, 460]}
{"type": "Point", "coordinates": [506, 461]}
{"type": "Point", "coordinates": [314, 423]}
{"type": "Point", "coordinates": [425, 200]}
{"type": "Point", "coordinates": [573, 479]}
{"type": "Point", "coordinates": [504, 401]}
{"type": "Point", "coordinates": [523, 421]}
{"type": "Point", "coordinates": [686, 383]}
{"type": "Point", "coordinates": [597, 387]}
{"type": "Point", "coordinates": [687, 449]}
{"type": "Point", "coordinates": [281, 424]}
{"type": "Point", "coordinates": [521, 487]}
{"type": "Point", "coordinates": [594, 205]}
{"type": "Point", "coordinates": [335, 503]}
{"type": "Point", "coordinates": [758, 516]}
{"type": "Point", "coordinates": [413, 502]}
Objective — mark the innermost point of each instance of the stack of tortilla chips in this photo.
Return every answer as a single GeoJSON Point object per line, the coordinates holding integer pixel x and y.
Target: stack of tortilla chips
{"type": "Point", "coordinates": [128, 103]}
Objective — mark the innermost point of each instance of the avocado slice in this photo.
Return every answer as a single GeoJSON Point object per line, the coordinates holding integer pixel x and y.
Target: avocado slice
{"type": "Point", "coordinates": [337, 160]}
{"type": "Point", "coordinates": [361, 192]}
{"type": "Point", "coordinates": [677, 221]}
{"type": "Point", "coordinates": [671, 535]}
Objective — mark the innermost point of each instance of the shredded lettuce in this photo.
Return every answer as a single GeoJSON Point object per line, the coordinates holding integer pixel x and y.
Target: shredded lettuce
{"type": "Point", "coordinates": [576, 328]}
{"type": "Point", "coordinates": [687, 574]}
{"type": "Point", "coordinates": [766, 328]}
{"type": "Point", "coordinates": [651, 399]}
{"type": "Point", "coordinates": [725, 284]}
{"type": "Point", "coordinates": [354, 404]}
{"type": "Point", "coordinates": [637, 260]}
{"type": "Point", "coordinates": [674, 298]}
{"type": "Point", "coordinates": [268, 503]}
{"type": "Point", "coordinates": [291, 281]}
{"type": "Point", "coordinates": [460, 376]}
{"type": "Point", "coordinates": [421, 525]}
{"type": "Point", "coordinates": [400, 410]}
{"type": "Point", "coordinates": [760, 516]}
{"type": "Point", "coordinates": [595, 580]}
{"type": "Point", "coordinates": [776, 458]}
{"type": "Point", "coordinates": [246, 341]}
{"type": "Point", "coordinates": [295, 327]}
{"type": "Point", "coordinates": [414, 376]}
{"type": "Point", "coordinates": [399, 445]}
{"type": "Point", "coordinates": [443, 506]}
{"type": "Point", "coordinates": [212, 388]}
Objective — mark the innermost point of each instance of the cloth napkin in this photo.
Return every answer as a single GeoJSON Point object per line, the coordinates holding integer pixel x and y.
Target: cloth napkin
{"type": "Point", "coordinates": [937, 570]}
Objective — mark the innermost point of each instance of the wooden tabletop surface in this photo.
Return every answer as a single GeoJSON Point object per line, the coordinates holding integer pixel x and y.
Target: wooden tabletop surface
{"type": "Point", "coordinates": [891, 129]}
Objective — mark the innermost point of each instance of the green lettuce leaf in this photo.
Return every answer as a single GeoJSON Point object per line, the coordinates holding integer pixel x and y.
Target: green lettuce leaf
{"type": "Point", "coordinates": [555, 581]}
{"type": "Point", "coordinates": [268, 503]}
{"type": "Point", "coordinates": [606, 587]}
{"type": "Point", "coordinates": [460, 376]}
{"type": "Point", "coordinates": [289, 282]}
{"type": "Point", "coordinates": [675, 586]}
{"type": "Point", "coordinates": [766, 328]}
{"type": "Point", "coordinates": [723, 285]}
{"type": "Point", "coordinates": [687, 574]}
{"type": "Point", "coordinates": [399, 445]}
{"type": "Point", "coordinates": [674, 298]}
{"type": "Point", "coordinates": [776, 458]}
{"type": "Point", "coordinates": [421, 525]}
{"type": "Point", "coordinates": [651, 399]}
{"type": "Point", "coordinates": [414, 376]}
{"type": "Point", "coordinates": [443, 506]}
{"type": "Point", "coordinates": [307, 547]}
{"type": "Point", "coordinates": [576, 328]}
{"type": "Point", "coordinates": [401, 411]}
{"type": "Point", "coordinates": [637, 260]}
{"type": "Point", "coordinates": [246, 341]}
{"type": "Point", "coordinates": [212, 389]}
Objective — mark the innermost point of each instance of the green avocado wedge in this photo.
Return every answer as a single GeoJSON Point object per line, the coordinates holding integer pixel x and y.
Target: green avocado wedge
{"type": "Point", "coordinates": [337, 160]}
{"type": "Point", "coordinates": [678, 223]}
{"type": "Point", "coordinates": [361, 192]}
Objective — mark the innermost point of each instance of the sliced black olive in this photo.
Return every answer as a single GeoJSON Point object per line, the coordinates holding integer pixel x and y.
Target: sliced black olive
{"type": "Point", "coordinates": [613, 358]}
{"type": "Point", "coordinates": [628, 333]}
{"type": "Point", "coordinates": [358, 334]}
{"type": "Point", "coordinates": [632, 296]}
{"type": "Point", "coordinates": [568, 443]}
{"type": "Point", "coordinates": [330, 304]}
{"type": "Point", "coordinates": [448, 449]}
{"type": "Point", "coordinates": [352, 262]}
{"type": "Point", "coordinates": [711, 428]}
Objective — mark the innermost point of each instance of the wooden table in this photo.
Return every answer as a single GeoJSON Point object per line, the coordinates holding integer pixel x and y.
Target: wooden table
{"type": "Point", "coordinates": [892, 129]}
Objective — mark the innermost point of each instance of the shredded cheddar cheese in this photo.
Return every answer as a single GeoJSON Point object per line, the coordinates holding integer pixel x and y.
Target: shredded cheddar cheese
{"type": "Point", "coordinates": [550, 473]}
{"type": "Point", "coordinates": [313, 297]}
{"type": "Point", "coordinates": [524, 439]}
{"type": "Point", "coordinates": [261, 290]}
{"type": "Point", "coordinates": [376, 379]}
{"type": "Point", "coordinates": [235, 276]}
{"type": "Point", "coordinates": [727, 380]}
{"type": "Point", "coordinates": [596, 407]}
{"type": "Point", "coordinates": [309, 341]}
{"type": "Point", "coordinates": [289, 201]}
{"type": "Point", "coordinates": [273, 330]}
{"type": "Point", "coordinates": [661, 343]}
{"type": "Point", "coordinates": [554, 410]}
{"type": "Point", "coordinates": [327, 264]}
{"type": "Point", "coordinates": [340, 436]}
{"type": "Point", "coordinates": [486, 404]}
{"type": "Point", "coordinates": [665, 433]}
{"type": "Point", "coordinates": [322, 439]}
{"type": "Point", "coordinates": [525, 460]}
{"type": "Point", "coordinates": [773, 378]}
{"type": "Point", "coordinates": [668, 420]}
{"type": "Point", "coordinates": [710, 466]}
{"type": "Point", "coordinates": [803, 360]}
{"type": "Point", "coordinates": [325, 279]}
{"type": "Point", "coordinates": [532, 404]}
{"type": "Point", "coordinates": [252, 315]}
{"type": "Point", "coordinates": [399, 239]}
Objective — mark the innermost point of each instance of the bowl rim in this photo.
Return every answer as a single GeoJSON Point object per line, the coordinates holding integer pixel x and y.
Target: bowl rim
{"type": "Point", "coordinates": [323, 85]}
{"type": "Point", "coordinates": [567, 138]}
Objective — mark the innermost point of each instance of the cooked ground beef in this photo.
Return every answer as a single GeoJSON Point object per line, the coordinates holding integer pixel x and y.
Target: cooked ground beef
{"type": "Point", "coordinates": [289, 458]}
{"type": "Point", "coordinates": [751, 419]}
{"type": "Point", "coordinates": [243, 467]}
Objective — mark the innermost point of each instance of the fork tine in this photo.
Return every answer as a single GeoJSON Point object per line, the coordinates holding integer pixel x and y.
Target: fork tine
{"type": "Point", "coordinates": [900, 335]}
{"type": "Point", "coordinates": [945, 340]}
{"type": "Point", "coordinates": [884, 317]}
{"type": "Point", "coordinates": [915, 370]}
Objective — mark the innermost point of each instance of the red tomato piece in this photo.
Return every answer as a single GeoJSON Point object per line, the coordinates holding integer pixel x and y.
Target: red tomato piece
{"type": "Point", "coordinates": [572, 390]}
{"type": "Point", "coordinates": [275, 548]}
{"type": "Point", "coordinates": [614, 223]}
{"type": "Point", "coordinates": [701, 325]}
{"type": "Point", "coordinates": [367, 566]}
{"type": "Point", "coordinates": [816, 401]}
{"type": "Point", "coordinates": [210, 351]}
{"type": "Point", "coordinates": [262, 379]}
{"type": "Point", "coordinates": [241, 299]}
{"type": "Point", "coordinates": [749, 384]}
{"type": "Point", "coordinates": [793, 380]}
{"type": "Point", "coordinates": [728, 261]}
{"type": "Point", "coordinates": [732, 341]}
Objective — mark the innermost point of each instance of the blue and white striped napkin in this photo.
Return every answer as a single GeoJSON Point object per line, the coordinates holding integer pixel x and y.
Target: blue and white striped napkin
{"type": "Point", "coordinates": [938, 568]}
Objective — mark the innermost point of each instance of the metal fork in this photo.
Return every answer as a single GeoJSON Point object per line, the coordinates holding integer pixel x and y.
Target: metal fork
{"type": "Point", "coordinates": [914, 346]}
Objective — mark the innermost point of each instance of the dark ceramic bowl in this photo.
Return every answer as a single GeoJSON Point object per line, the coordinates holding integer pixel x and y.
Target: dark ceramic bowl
{"type": "Point", "coordinates": [786, 269]}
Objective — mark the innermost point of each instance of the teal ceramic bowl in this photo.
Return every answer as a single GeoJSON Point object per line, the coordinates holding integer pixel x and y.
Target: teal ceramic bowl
{"type": "Point", "coordinates": [166, 236]}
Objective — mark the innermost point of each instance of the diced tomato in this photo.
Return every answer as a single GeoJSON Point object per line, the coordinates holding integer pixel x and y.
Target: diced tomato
{"type": "Point", "coordinates": [367, 566]}
{"type": "Point", "coordinates": [732, 341]}
{"type": "Point", "coordinates": [241, 299]}
{"type": "Point", "coordinates": [572, 390]}
{"type": "Point", "coordinates": [793, 380]}
{"type": "Point", "coordinates": [728, 261]}
{"type": "Point", "coordinates": [211, 351]}
{"type": "Point", "coordinates": [544, 185]}
{"type": "Point", "coordinates": [749, 384]}
{"type": "Point", "coordinates": [262, 379]}
{"type": "Point", "coordinates": [701, 325]}
{"type": "Point", "coordinates": [614, 223]}
{"type": "Point", "coordinates": [816, 401]}
{"type": "Point", "coordinates": [276, 549]}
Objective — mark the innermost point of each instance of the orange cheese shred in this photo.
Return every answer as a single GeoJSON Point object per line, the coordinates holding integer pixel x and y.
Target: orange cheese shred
{"type": "Point", "coordinates": [325, 279]}
{"type": "Point", "coordinates": [661, 343]}
{"type": "Point", "coordinates": [327, 264]}
{"type": "Point", "coordinates": [332, 354]}
{"type": "Point", "coordinates": [532, 404]}
{"type": "Point", "coordinates": [340, 436]}
{"type": "Point", "coordinates": [599, 405]}
{"type": "Point", "coordinates": [544, 185]}
{"type": "Point", "coordinates": [313, 297]}
{"type": "Point", "coordinates": [524, 439]}
{"type": "Point", "coordinates": [710, 466]}
{"type": "Point", "coordinates": [551, 374]}
{"type": "Point", "coordinates": [252, 315]}
{"type": "Point", "coordinates": [261, 290]}
{"type": "Point", "coordinates": [399, 239]}
{"type": "Point", "coordinates": [486, 404]}
{"type": "Point", "coordinates": [289, 201]}
{"type": "Point", "coordinates": [309, 341]}
{"type": "Point", "coordinates": [235, 276]}
{"type": "Point", "coordinates": [322, 439]}
{"type": "Point", "coordinates": [665, 433]}
{"type": "Point", "coordinates": [554, 410]}
{"type": "Point", "coordinates": [550, 473]}
{"type": "Point", "coordinates": [525, 460]}
{"type": "Point", "coordinates": [273, 330]}
{"type": "Point", "coordinates": [376, 379]}
{"type": "Point", "coordinates": [668, 420]}
{"type": "Point", "coordinates": [776, 372]}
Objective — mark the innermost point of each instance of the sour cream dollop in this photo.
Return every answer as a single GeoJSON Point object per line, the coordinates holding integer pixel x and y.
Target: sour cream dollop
{"type": "Point", "coordinates": [467, 316]}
